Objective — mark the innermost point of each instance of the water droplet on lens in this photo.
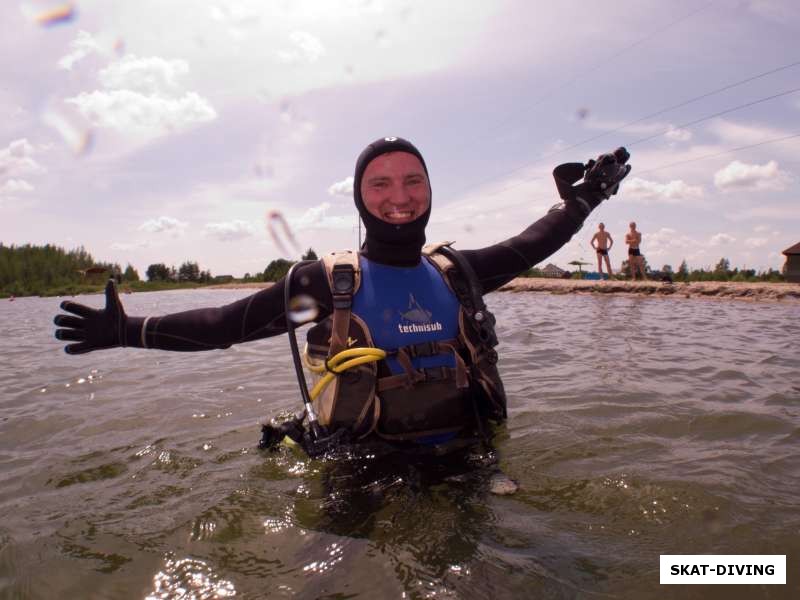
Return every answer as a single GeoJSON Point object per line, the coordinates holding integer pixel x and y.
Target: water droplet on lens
{"type": "Point", "coordinates": [281, 233]}
{"type": "Point", "coordinates": [303, 308]}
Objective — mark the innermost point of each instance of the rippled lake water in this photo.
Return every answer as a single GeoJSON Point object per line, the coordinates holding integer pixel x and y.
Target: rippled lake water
{"type": "Point", "coordinates": [638, 427]}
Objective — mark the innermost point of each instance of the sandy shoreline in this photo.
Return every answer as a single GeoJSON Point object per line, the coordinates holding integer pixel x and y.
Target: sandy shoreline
{"type": "Point", "coordinates": [768, 292]}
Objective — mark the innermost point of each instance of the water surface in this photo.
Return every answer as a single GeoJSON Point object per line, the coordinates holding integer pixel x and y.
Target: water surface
{"type": "Point", "coordinates": [638, 427]}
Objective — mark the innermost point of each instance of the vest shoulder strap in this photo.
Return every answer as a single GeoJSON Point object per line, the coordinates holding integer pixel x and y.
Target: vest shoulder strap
{"type": "Point", "coordinates": [442, 263]}
{"type": "Point", "coordinates": [344, 278]}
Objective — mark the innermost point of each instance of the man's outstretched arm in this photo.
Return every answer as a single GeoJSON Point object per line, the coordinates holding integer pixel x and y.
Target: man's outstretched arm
{"type": "Point", "coordinates": [257, 316]}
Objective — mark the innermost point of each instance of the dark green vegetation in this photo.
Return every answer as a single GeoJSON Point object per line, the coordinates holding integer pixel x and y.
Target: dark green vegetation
{"type": "Point", "coordinates": [49, 270]}
{"type": "Point", "coordinates": [52, 271]}
{"type": "Point", "coordinates": [279, 267]}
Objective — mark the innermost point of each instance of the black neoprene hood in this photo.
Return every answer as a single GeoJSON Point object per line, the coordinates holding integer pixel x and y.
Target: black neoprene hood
{"type": "Point", "coordinates": [386, 242]}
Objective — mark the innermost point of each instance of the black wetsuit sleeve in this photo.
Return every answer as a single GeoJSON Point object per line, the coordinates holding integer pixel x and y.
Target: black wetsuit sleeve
{"type": "Point", "coordinates": [255, 317]}
{"type": "Point", "coordinates": [498, 264]}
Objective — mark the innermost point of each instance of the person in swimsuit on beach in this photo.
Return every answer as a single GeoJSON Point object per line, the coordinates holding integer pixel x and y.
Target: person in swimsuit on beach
{"type": "Point", "coordinates": [604, 244]}
{"type": "Point", "coordinates": [635, 259]}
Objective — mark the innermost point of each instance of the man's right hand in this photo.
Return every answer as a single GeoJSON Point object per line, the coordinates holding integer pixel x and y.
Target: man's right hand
{"type": "Point", "coordinates": [92, 329]}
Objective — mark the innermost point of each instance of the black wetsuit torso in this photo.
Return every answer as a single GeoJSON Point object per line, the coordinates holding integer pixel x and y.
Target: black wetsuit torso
{"type": "Point", "coordinates": [262, 315]}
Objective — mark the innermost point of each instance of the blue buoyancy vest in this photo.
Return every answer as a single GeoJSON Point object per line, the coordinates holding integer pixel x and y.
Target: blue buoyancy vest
{"type": "Point", "coordinates": [403, 306]}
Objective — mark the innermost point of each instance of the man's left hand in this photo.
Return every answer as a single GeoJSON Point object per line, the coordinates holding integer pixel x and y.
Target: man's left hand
{"type": "Point", "coordinates": [601, 179]}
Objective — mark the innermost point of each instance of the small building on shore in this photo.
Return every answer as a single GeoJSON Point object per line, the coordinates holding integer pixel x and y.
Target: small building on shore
{"type": "Point", "coordinates": [223, 279]}
{"type": "Point", "coordinates": [553, 271]}
{"type": "Point", "coordinates": [791, 270]}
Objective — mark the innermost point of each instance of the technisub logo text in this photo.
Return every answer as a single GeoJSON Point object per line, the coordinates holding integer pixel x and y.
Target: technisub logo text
{"type": "Point", "coordinates": [419, 319]}
{"type": "Point", "coordinates": [723, 568]}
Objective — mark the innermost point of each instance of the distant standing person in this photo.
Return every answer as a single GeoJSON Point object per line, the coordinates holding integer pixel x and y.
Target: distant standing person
{"type": "Point", "coordinates": [635, 259]}
{"type": "Point", "coordinates": [604, 244]}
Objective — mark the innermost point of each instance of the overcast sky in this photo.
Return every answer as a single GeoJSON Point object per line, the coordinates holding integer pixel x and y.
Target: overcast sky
{"type": "Point", "coordinates": [166, 130]}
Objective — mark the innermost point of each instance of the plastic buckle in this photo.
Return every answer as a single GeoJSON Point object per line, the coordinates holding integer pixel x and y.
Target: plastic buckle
{"type": "Point", "coordinates": [423, 349]}
{"type": "Point", "coordinates": [435, 373]}
{"type": "Point", "coordinates": [343, 279]}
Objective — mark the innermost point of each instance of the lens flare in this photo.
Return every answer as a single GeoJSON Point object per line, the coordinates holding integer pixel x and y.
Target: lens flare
{"type": "Point", "coordinates": [49, 13]}
{"type": "Point", "coordinates": [72, 127]}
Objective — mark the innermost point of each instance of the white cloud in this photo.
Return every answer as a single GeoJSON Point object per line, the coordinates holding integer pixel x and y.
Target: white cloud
{"type": "Point", "coordinates": [761, 228]}
{"type": "Point", "coordinates": [653, 128]}
{"type": "Point", "coordinates": [316, 217]}
{"type": "Point", "coordinates": [776, 212]}
{"type": "Point", "coordinates": [174, 227]}
{"type": "Point", "coordinates": [678, 135]}
{"type": "Point", "coordinates": [131, 112]}
{"type": "Point", "coordinates": [143, 96]}
{"type": "Point", "coordinates": [666, 240]}
{"type": "Point", "coordinates": [306, 49]}
{"type": "Point", "coordinates": [675, 191]}
{"type": "Point", "coordinates": [230, 231]}
{"type": "Point", "coordinates": [147, 74]}
{"type": "Point", "coordinates": [756, 242]}
{"type": "Point", "coordinates": [721, 239]}
{"type": "Point", "coordinates": [17, 159]}
{"type": "Point", "coordinates": [81, 47]}
{"type": "Point", "coordinates": [758, 177]}
{"type": "Point", "coordinates": [734, 133]}
{"type": "Point", "coordinates": [12, 186]}
{"type": "Point", "coordinates": [342, 188]}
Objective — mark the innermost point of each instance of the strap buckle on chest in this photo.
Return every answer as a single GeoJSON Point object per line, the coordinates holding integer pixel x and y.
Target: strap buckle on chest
{"type": "Point", "coordinates": [423, 349]}
{"type": "Point", "coordinates": [435, 373]}
{"type": "Point", "coordinates": [343, 279]}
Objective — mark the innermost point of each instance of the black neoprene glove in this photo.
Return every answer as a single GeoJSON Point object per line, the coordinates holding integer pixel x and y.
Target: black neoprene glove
{"type": "Point", "coordinates": [601, 180]}
{"type": "Point", "coordinates": [92, 329]}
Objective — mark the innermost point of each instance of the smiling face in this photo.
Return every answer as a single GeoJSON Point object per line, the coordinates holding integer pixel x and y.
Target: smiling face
{"type": "Point", "coordinates": [395, 188]}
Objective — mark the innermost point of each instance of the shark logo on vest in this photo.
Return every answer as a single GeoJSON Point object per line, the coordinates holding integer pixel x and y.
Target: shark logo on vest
{"type": "Point", "coordinates": [418, 318]}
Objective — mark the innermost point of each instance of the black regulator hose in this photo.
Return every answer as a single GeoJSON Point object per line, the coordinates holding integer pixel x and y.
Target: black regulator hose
{"type": "Point", "coordinates": [313, 423]}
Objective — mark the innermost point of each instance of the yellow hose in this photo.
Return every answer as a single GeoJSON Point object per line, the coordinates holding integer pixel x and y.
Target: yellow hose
{"type": "Point", "coordinates": [356, 356]}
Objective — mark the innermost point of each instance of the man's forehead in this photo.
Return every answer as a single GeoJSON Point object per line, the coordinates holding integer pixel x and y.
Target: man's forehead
{"type": "Point", "coordinates": [404, 161]}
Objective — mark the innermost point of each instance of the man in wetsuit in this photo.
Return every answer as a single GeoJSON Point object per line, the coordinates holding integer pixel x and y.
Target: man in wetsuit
{"type": "Point", "coordinates": [635, 259]}
{"type": "Point", "coordinates": [401, 293]}
{"type": "Point", "coordinates": [604, 243]}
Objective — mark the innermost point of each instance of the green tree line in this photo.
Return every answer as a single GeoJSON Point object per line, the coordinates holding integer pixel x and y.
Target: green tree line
{"type": "Point", "coordinates": [41, 270]}
{"type": "Point", "coordinates": [279, 267]}
{"type": "Point", "coordinates": [187, 272]}
{"type": "Point", "coordinates": [49, 270]}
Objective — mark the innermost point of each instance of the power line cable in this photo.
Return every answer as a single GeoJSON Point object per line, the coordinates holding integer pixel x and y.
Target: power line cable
{"type": "Point", "coordinates": [598, 64]}
{"type": "Point", "coordinates": [716, 114]}
{"type": "Point", "coordinates": [641, 119]}
{"type": "Point", "coordinates": [651, 170]}
{"type": "Point", "coordinates": [694, 122]}
{"type": "Point", "coordinates": [716, 154]}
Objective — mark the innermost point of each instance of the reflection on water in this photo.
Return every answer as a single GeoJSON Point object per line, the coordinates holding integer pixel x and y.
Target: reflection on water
{"type": "Point", "coordinates": [638, 427]}
{"type": "Point", "coordinates": [189, 578]}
